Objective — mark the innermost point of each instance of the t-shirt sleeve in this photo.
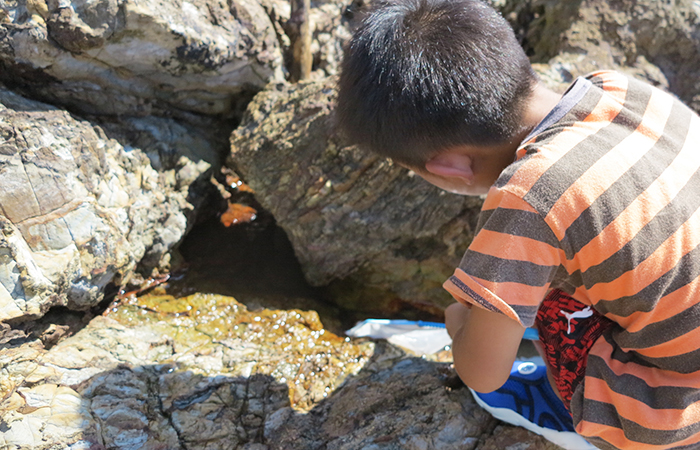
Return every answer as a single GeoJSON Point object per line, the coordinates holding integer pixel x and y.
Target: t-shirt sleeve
{"type": "Point", "coordinates": [511, 262]}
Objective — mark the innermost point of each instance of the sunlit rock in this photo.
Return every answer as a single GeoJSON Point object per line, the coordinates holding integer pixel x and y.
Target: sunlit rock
{"type": "Point", "coordinates": [160, 372]}
{"type": "Point", "coordinates": [80, 210]}
{"type": "Point", "coordinates": [203, 373]}
{"type": "Point", "coordinates": [655, 41]}
{"type": "Point", "coordinates": [138, 57]}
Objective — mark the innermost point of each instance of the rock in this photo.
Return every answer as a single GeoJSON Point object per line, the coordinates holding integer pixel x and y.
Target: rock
{"type": "Point", "coordinates": [655, 41]}
{"type": "Point", "coordinates": [138, 57]}
{"type": "Point", "coordinates": [405, 405]}
{"type": "Point", "coordinates": [80, 210]}
{"type": "Point", "coordinates": [507, 437]}
{"type": "Point", "coordinates": [203, 372]}
{"type": "Point", "coordinates": [331, 23]}
{"type": "Point", "coordinates": [387, 234]}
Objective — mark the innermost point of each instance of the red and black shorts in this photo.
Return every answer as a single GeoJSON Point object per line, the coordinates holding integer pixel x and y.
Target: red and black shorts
{"type": "Point", "coordinates": [568, 329]}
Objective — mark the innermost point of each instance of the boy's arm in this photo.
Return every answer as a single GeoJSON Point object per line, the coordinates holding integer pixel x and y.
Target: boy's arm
{"type": "Point", "coordinates": [484, 345]}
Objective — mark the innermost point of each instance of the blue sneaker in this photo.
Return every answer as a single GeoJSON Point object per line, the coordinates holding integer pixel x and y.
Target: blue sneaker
{"type": "Point", "coordinates": [527, 400]}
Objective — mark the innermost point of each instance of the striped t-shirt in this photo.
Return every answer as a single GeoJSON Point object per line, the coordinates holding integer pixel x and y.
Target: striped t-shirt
{"type": "Point", "coordinates": [603, 202]}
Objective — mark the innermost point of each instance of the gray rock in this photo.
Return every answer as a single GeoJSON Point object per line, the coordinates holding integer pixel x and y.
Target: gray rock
{"type": "Point", "coordinates": [80, 210]}
{"type": "Point", "coordinates": [656, 41]}
{"type": "Point", "coordinates": [138, 57]}
{"type": "Point", "coordinates": [350, 215]}
{"type": "Point", "coordinates": [404, 406]}
{"type": "Point", "coordinates": [203, 373]}
{"type": "Point", "coordinates": [331, 24]}
{"type": "Point", "coordinates": [200, 372]}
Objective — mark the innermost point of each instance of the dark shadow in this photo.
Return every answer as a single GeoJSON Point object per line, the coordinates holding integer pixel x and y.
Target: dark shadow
{"type": "Point", "coordinates": [254, 263]}
{"type": "Point", "coordinates": [158, 406]}
{"type": "Point", "coordinates": [168, 408]}
{"type": "Point", "coordinates": [58, 323]}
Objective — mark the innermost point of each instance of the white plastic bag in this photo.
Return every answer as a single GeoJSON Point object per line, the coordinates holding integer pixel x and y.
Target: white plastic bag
{"type": "Point", "coordinates": [418, 336]}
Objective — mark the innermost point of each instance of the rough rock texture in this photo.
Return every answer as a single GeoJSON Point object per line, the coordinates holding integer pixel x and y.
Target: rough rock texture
{"type": "Point", "coordinates": [137, 57]}
{"type": "Point", "coordinates": [80, 210]}
{"type": "Point", "coordinates": [349, 214]}
{"type": "Point", "coordinates": [653, 40]}
{"type": "Point", "coordinates": [331, 24]}
{"type": "Point", "coordinates": [203, 372]}
{"type": "Point", "coordinates": [391, 238]}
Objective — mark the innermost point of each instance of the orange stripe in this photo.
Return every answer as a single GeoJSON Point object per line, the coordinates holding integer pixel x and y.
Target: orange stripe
{"type": "Point", "coordinates": [616, 437]}
{"type": "Point", "coordinates": [681, 345]}
{"type": "Point", "coordinates": [639, 412]}
{"type": "Point", "coordinates": [663, 259]}
{"type": "Point", "coordinates": [547, 155]}
{"type": "Point", "coordinates": [666, 307]}
{"type": "Point", "coordinates": [516, 248]}
{"type": "Point", "coordinates": [646, 206]}
{"type": "Point", "coordinates": [499, 198]}
{"type": "Point", "coordinates": [495, 293]}
{"type": "Point", "coordinates": [464, 298]}
{"type": "Point", "coordinates": [611, 166]}
{"type": "Point", "coordinates": [515, 293]}
{"type": "Point", "coordinates": [614, 85]}
{"type": "Point", "coordinates": [581, 295]}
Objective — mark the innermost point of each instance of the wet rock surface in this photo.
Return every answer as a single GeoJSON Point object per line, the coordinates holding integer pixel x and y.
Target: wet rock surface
{"type": "Point", "coordinates": [349, 215]}
{"type": "Point", "coordinates": [203, 372]}
{"type": "Point", "coordinates": [80, 211]}
{"type": "Point", "coordinates": [160, 372]}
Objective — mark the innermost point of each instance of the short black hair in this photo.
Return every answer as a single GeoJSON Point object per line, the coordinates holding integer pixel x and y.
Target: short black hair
{"type": "Point", "coordinates": [419, 76]}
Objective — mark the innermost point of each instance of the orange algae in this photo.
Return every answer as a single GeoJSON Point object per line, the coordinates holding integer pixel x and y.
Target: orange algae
{"type": "Point", "coordinates": [238, 213]}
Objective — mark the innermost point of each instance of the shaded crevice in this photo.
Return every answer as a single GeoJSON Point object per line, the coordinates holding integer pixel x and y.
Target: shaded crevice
{"type": "Point", "coordinates": [56, 325]}
{"type": "Point", "coordinates": [153, 386]}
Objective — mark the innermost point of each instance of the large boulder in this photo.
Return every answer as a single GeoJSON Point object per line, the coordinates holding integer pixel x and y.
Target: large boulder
{"type": "Point", "coordinates": [653, 40]}
{"type": "Point", "coordinates": [389, 235]}
{"type": "Point", "coordinates": [80, 210]}
{"type": "Point", "coordinates": [138, 57]}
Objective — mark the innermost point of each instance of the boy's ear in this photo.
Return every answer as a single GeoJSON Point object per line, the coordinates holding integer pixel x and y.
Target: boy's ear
{"type": "Point", "coordinates": [451, 164]}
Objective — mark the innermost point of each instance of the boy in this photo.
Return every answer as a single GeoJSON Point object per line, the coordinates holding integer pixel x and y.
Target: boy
{"type": "Point", "coordinates": [590, 229]}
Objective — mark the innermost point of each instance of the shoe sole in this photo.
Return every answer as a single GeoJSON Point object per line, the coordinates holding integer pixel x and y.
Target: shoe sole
{"type": "Point", "coordinates": [565, 439]}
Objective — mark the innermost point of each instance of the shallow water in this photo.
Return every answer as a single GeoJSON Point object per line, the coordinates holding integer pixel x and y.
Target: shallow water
{"type": "Point", "coordinates": [255, 263]}
{"type": "Point", "coordinates": [291, 345]}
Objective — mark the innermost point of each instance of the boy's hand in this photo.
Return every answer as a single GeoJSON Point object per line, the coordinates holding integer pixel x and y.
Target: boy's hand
{"type": "Point", "coordinates": [455, 316]}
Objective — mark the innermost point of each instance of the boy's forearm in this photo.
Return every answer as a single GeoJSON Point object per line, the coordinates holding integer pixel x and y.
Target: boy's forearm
{"type": "Point", "coordinates": [475, 367]}
{"type": "Point", "coordinates": [484, 349]}
{"type": "Point", "coordinates": [455, 317]}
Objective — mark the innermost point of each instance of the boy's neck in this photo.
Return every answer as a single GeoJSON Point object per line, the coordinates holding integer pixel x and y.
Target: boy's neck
{"type": "Point", "coordinates": [541, 102]}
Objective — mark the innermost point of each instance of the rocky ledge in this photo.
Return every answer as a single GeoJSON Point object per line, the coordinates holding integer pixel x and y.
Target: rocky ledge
{"type": "Point", "coordinates": [204, 372]}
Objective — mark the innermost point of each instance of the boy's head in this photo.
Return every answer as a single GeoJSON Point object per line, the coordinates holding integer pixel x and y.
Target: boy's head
{"type": "Point", "coordinates": [421, 76]}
